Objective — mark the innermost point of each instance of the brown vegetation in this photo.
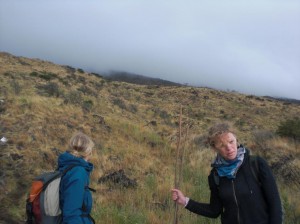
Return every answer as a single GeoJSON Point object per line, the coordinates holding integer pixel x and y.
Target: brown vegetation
{"type": "Point", "coordinates": [135, 130]}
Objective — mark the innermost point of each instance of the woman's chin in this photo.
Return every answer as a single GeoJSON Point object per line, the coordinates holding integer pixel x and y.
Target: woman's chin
{"type": "Point", "coordinates": [230, 157]}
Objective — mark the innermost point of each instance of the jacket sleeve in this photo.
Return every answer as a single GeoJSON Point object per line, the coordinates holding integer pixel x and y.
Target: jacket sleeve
{"type": "Point", "coordinates": [73, 195]}
{"type": "Point", "coordinates": [211, 210]}
{"type": "Point", "coordinates": [270, 191]}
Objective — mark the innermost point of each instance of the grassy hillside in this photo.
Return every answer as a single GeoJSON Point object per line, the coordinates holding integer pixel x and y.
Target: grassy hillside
{"type": "Point", "coordinates": [135, 128]}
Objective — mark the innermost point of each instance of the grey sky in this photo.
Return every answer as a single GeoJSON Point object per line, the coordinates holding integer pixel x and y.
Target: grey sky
{"type": "Point", "coordinates": [249, 46]}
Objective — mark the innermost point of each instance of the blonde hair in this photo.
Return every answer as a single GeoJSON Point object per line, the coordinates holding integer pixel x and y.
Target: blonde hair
{"type": "Point", "coordinates": [216, 131]}
{"type": "Point", "coordinates": [81, 145]}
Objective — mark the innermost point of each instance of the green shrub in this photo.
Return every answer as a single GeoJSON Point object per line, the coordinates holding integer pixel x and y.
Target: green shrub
{"type": "Point", "coordinates": [96, 75]}
{"type": "Point", "coordinates": [240, 123]}
{"type": "Point", "coordinates": [290, 128]}
{"type": "Point", "coordinates": [49, 89]}
{"type": "Point", "coordinates": [199, 115]}
{"type": "Point", "coordinates": [99, 85]}
{"type": "Point", "coordinates": [34, 74]}
{"type": "Point", "coordinates": [48, 76]}
{"type": "Point", "coordinates": [80, 70]}
{"type": "Point", "coordinates": [15, 86]}
{"type": "Point", "coordinates": [65, 81]}
{"type": "Point", "coordinates": [164, 114]}
{"type": "Point", "coordinates": [81, 79]}
{"type": "Point", "coordinates": [133, 108]}
{"type": "Point", "coordinates": [151, 181]}
{"type": "Point", "coordinates": [70, 69]}
{"type": "Point", "coordinates": [87, 105]}
{"type": "Point", "coordinates": [87, 91]}
{"type": "Point", "coordinates": [260, 137]}
{"type": "Point", "coordinates": [120, 103]}
{"type": "Point", "coordinates": [74, 97]}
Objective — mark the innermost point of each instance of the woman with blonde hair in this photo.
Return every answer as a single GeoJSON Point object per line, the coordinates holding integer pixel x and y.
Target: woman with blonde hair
{"type": "Point", "coordinates": [237, 193]}
{"type": "Point", "coordinates": [75, 195]}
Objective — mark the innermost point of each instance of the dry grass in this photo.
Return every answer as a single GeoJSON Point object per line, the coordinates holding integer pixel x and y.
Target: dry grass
{"type": "Point", "coordinates": [135, 129]}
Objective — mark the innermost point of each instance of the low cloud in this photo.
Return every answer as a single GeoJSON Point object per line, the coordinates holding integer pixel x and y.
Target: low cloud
{"type": "Point", "coordinates": [248, 47]}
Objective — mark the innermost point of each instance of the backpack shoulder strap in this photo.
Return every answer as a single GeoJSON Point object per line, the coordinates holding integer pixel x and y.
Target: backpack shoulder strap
{"type": "Point", "coordinates": [67, 169]}
{"type": "Point", "coordinates": [58, 175]}
{"type": "Point", "coordinates": [254, 167]}
{"type": "Point", "coordinates": [216, 177]}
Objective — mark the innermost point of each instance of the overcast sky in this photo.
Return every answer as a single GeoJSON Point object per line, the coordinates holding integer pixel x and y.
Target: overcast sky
{"type": "Point", "coordinates": [252, 47]}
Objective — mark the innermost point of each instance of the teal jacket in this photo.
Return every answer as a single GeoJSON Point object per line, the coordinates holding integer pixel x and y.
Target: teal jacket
{"type": "Point", "coordinates": [75, 196]}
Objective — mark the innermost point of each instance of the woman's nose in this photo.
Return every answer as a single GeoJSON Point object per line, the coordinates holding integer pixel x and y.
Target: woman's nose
{"type": "Point", "coordinates": [227, 146]}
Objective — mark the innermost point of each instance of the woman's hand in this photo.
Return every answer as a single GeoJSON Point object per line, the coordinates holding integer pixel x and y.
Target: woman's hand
{"type": "Point", "coordinates": [178, 196]}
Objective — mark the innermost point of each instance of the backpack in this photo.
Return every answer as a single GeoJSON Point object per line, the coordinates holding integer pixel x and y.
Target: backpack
{"type": "Point", "coordinates": [253, 160]}
{"type": "Point", "coordinates": [42, 204]}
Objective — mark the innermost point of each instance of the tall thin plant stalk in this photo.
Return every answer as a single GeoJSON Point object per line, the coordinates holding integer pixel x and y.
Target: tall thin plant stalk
{"type": "Point", "coordinates": [176, 179]}
{"type": "Point", "coordinates": [178, 150]}
{"type": "Point", "coordinates": [179, 161]}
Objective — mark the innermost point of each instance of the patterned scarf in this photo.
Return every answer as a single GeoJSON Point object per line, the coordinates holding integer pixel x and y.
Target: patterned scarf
{"type": "Point", "coordinates": [227, 168]}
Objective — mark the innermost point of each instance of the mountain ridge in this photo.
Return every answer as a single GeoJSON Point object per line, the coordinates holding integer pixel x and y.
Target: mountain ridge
{"type": "Point", "coordinates": [138, 79]}
{"type": "Point", "coordinates": [133, 78]}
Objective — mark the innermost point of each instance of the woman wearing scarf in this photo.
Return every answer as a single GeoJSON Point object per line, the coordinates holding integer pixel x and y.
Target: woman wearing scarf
{"type": "Point", "coordinates": [238, 196]}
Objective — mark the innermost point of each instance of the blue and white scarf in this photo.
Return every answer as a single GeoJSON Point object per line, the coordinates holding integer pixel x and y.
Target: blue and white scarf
{"type": "Point", "coordinates": [229, 168]}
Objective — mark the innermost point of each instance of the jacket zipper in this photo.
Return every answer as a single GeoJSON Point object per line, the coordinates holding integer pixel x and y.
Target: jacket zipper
{"type": "Point", "coordinates": [236, 201]}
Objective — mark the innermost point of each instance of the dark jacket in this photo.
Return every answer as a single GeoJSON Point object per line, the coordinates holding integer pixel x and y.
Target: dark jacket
{"type": "Point", "coordinates": [243, 200]}
{"type": "Point", "coordinates": [75, 196]}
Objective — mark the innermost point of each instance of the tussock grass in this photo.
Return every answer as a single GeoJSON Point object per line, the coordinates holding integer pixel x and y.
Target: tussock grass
{"type": "Point", "coordinates": [139, 139]}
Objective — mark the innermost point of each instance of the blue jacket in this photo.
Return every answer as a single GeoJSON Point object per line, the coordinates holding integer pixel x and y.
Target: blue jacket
{"type": "Point", "coordinates": [75, 196]}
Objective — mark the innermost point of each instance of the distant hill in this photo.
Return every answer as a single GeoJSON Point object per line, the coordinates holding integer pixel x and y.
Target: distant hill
{"type": "Point", "coordinates": [138, 79]}
{"type": "Point", "coordinates": [149, 81]}
{"type": "Point", "coordinates": [285, 100]}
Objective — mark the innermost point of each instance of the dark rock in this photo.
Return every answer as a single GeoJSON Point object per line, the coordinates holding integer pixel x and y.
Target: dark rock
{"type": "Point", "coordinates": [118, 178]}
{"type": "Point", "coordinates": [16, 156]}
